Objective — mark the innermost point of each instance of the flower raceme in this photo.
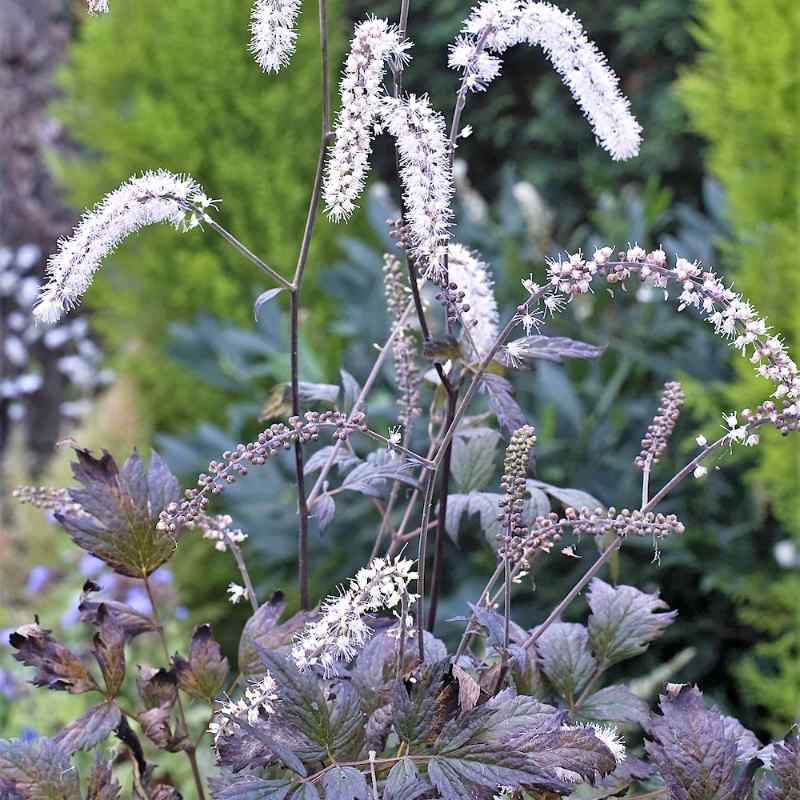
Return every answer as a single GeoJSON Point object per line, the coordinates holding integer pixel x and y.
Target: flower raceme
{"type": "Point", "coordinates": [375, 44]}
{"type": "Point", "coordinates": [342, 630]}
{"type": "Point", "coordinates": [273, 34]}
{"type": "Point", "coordinates": [495, 25]}
{"type": "Point", "coordinates": [143, 200]}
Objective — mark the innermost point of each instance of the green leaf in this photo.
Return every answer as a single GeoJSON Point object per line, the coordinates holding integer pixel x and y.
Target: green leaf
{"type": "Point", "coordinates": [90, 728]}
{"type": "Point", "coordinates": [123, 508]}
{"type": "Point", "coordinates": [565, 658]}
{"type": "Point", "coordinates": [623, 620]}
{"type": "Point", "coordinates": [615, 704]}
{"type": "Point", "coordinates": [473, 459]}
{"type": "Point", "coordinates": [203, 674]}
{"type": "Point", "coordinates": [345, 783]}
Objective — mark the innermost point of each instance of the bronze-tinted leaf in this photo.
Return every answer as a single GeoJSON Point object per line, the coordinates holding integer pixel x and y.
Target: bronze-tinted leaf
{"type": "Point", "coordinates": [263, 629]}
{"type": "Point", "coordinates": [56, 667]}
{"type": "Point", "coordinates": [123, 507]}
{"type": "Point", "coordinates": [155, 725]}
{"type": "Point", "coordinates": [37, 769]}
{"type": "Point", "coordinates": [102, 785]}
{"type": "Point", "coordinates": [86, 731]}
{"type": "Point", "coordinates": [131, 621]}
{"type": "Point", "coordinates": [204, 673]}
{"type": "Point", "coordinates": [157, 687]}
{"type": "Point", "coordinates": [109, 650]}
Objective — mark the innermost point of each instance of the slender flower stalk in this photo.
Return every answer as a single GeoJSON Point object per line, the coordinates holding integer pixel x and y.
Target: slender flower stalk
{"type": "Point", "coordinates": [375, 44]}
{"type": "Point", "coordinates": [143, 200]}
{"type": "Point", "coordinates": [273, 34]}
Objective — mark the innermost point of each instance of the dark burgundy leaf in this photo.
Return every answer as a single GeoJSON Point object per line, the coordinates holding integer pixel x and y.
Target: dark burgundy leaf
{"type": "Point", "coordinates": [102, 785]}
{"type": "Point", "coordinates": [566, 658]}
{"type": "Point", "coordinates": [785, 783]}
{"type": "Point", "coordinates": [86, 731]}
{"type": "Point", "coordinates": [204, 673]}
{"type": "Point", "coordinates": [525, 351]}
{"type": "Point", "coordinates": [501, 400]}
{"type": "Point", "coordinates": [157, 687]}
{"type": "Point", "coordinates": [131, 621]}
{"type": "Point", "coordinates": [109, 649]}
{"type": "Point", "coordinates": [37, 769]}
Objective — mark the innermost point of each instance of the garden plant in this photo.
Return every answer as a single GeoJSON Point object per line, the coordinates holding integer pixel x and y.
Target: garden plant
{"type": "Point", "coordinates": [353, 697]}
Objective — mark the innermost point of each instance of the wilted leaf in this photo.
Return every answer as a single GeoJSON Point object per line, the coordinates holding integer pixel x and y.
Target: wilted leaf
{"type": "Point", "coordinates": [565, 658]}
{"type": "Point", "coordinates": [323, 510]}
{"type": "Point", "coordinates": [473, 457]}
{"type": "Point", "coordinates": [615, 704]}
{"type": "Point", "coordinates": [550, 348]}
{"type": "Point", "coordinates": [575, 498]}
{"type": "Point", "coordinates": [468, 689]}
{"type": "Point", "coordinates": [623, 620]}
{"type": "Point", "coordinates": [157, 687]}
{"type": "Point", "coordinates": [345, 783]}
{"type": "Point", "coordinates": [785, 784]}
{"type": "Point", "coordinates": [692, 750]}
{"type": "Point", "coordinates": [371, 478]}
{"type": "Point", "coordinates": [123, 508]}
{"type": "Point", "coordinates": [501, 400]}
{"type": "Point", "coordinates": [155, 723]}
{"type": "Point", "coordinates": [109, 650]}
{"type": "Point", "coordinates": [203, 674]}
{"type": "Point", "coordinates": [264, 630]}
{"type": "Point", "coordinates": [56, 667]}
{"type": "Point", "coordinates": [38, 769]}
{"type": "Point", "coordinates": [263, 299]}
{"type": "Point", "coordinates": [102, 785]}
{"type": "Point", "coordinates": [131, 621]}
{"type": "Point", "coordinates": [86, 731]}
{"type": "Point", "coordinates": [249, 787]}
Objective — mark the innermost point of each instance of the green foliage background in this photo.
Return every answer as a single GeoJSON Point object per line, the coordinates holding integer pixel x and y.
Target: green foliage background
{"type": "Point", "coordinates": [743, 95]}
{"type": "Point", "coordinates": [158, 84]}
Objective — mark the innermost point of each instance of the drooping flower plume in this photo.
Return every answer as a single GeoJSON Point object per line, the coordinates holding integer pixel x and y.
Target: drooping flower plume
{"type": "Point", "coordinates": [342, 630]}
{"type": "Point", "coordinates": [143, 200]}
{"type": "Point", "coordinates": [273, 34]}
{"type": "Point", "coordinates": [495, 25]}
{"type": "Point", "coordinates": [375, 43]}
{"type": "Point", "coordinates": [472, 277]}
{"type": "Point", "coordinates": [426, 176]}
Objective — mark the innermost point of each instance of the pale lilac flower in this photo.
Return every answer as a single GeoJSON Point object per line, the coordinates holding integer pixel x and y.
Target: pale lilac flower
{"type": "Point", "coordinates": [98, 6]}
{"type": "Point", "coordinates": [342, 630]}
{"type": "Point", "coordinates": [143, 200]}
{"type": "Point", "coordinates": [273, 35]}
{"type": "Point", "coordinates": [375, 43]}
{"type": "Point", "coordinates": [472, 277]}
{"type": "Point", "coordinates": [426, 176]}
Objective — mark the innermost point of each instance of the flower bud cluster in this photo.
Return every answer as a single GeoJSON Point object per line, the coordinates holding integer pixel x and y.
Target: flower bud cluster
{"type": "Point", "coordinates": [237, 462]}
{"type": "Point", "coordinates": [660, 429]}
{"type": "Point", "coordinates": [342, 629]}
{"type": "Point", "coordinates": [622, 522]}
{"type": "Point", "coordinates": [55, 501]}
{"type": "Point", "coordinates": [258, 698]}
{"type": "Point", "coordinates": [514, 481]}
{"type": "Point", "coordinates": [403, 348]}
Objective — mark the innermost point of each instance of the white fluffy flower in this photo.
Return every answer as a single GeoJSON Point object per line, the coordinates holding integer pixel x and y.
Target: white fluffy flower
{"type": "Point", "coordinates": [273, 35]}
{"type": "Point", "coordinates": [472, 277]}
{"type": "Point", "coordinates": [98, 6]}
{"type": "Point", "coordinates": [375, 43]}
{"type": "Point", "coordinates": [236, 593]}
{"type": "Point", "coordinates": [495, 25]}
{"type": "Point", "coordinates": [426, 176]}
{"type": "Point", "coordinates": [341, 629]}
{"type": "Point", "coordinates": [143, 200]}
{"type": "Point", "coordinates": [258, 698]}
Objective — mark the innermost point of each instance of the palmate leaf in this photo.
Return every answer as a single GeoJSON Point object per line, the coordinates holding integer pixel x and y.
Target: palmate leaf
{"type": "Point", "coordinates": [38, 770]}
{"type": "Point", "coordinates": [420, 706]}
{"type": "Point", "coordinates": [473, 457]}
{"type": "Point", "coordinates": [123, 506]}
{"type": "Point", "coordinates": [624, 620]}
{"type": "Point", "coordinates": [566, 658]}
{"type": "Point", "coordinates": [345, 783]}
{"type": "Point", "coordinates": [693, 751]}
{"type": "Point", "coordinates": [90, 728]}
{"type": "Point", "coordinates": [203, 674]}
{"type": "Point", "coordinates": [404, 782]}
{"type": "Point", "coordinates": [785, 783]}
{"type": "Point", "coordinates": [615, 704]}
{"type": "Point", "coordinates": [250, 787]}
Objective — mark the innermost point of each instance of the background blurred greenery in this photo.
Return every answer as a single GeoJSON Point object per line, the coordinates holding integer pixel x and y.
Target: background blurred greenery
{"type": "Point", "coordinates": [715, 87]}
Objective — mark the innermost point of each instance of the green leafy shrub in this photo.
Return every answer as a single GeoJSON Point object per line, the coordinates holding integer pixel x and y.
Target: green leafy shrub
{"type": "Point", "coordinates": [157, 84]}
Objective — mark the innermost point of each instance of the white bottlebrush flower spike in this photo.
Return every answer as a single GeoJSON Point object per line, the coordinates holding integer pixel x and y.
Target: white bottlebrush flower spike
{"type": "Point", "coordinates": [272, 30]}
{"type": "Point", "coordinates": [341, 630]}
{"type": "Point", "coordinates": [426, 176]}
{"type": "Point", "coordinates": [375, 43]}
{"type": "Point", "coordinates": [258, 698]}
{"type": "Point", "coordinates": [495, 25]}
{"type": "Point", "coordinates": [472, 277]}
{"type": "Point", "coordinates": [143, 200]}
{"type": "Point", "coordinates": [98, 6]}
